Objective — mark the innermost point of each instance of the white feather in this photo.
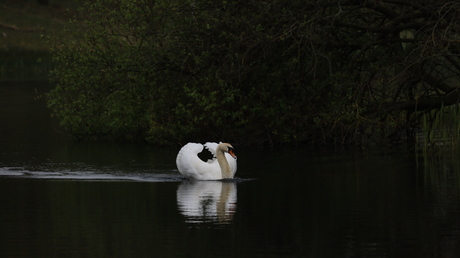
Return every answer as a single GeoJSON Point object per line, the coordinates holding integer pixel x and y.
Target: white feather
{"type": "Point", "coordinates": [190, 165]}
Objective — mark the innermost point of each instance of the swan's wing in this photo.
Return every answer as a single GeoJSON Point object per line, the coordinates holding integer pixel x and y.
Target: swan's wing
{"type": "Point", "coordinates": [190, 165]}
{"type": "Point", "coordinates": [185, 159]}
{"type": "Point", "coordinates": [212, 147]}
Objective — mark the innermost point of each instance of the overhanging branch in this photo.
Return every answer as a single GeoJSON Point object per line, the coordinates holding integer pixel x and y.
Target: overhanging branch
{"type": "Point", "coordinates": [422, 103]}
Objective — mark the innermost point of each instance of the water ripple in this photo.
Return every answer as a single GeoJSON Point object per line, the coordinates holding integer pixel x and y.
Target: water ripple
{"type": "Point", "coordinates": [92, 175]}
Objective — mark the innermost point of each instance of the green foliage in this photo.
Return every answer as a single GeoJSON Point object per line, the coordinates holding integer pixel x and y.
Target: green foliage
{"type": "Point", "coordinates": [175, 71]}
{"type": "Point", "coordinates": [241, 71]}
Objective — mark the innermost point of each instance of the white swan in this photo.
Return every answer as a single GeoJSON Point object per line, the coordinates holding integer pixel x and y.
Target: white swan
{"type": "Point", "coordinates": [222, 166]}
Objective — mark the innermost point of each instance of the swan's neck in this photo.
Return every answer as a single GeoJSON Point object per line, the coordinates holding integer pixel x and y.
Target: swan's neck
{"type": "Point", "coordinates": [224, 166]}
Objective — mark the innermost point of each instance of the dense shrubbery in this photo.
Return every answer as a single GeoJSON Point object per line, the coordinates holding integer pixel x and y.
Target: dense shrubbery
{"type": "Point", "coordinates": [253, 71]}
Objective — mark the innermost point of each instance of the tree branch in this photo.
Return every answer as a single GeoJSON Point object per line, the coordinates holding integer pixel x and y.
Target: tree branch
{"type": "Point", "coordinates": [423, 103]}
{"type": "Point", "coordinates": [433, 81]}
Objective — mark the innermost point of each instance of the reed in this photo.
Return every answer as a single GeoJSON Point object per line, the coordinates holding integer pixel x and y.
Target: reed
{"type": "Point", "coordinates": [440, 129]}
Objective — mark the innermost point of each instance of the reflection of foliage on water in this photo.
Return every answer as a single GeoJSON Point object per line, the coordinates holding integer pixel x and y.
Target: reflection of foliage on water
{"type": "Point", "coordinates": [442, 173]}
{"type": "Point", "coordinates": [441, 178]}
{"type": "Point", "coordinates": [16, 64]}
{"type": "Point", "coordinates": [72, 217]}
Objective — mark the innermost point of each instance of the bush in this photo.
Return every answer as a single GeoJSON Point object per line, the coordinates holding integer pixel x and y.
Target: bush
{"type": "Point", "coordinates": [247, 71]}
{"type": "Point", "coordinates": [176, 71]}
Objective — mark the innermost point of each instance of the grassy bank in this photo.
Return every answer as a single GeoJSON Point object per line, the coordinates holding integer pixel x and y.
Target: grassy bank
{"type": "Point", "coordinates": [25, 27]}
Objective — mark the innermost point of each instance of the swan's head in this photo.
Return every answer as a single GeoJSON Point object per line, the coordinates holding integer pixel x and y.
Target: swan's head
{"type": "Point", "coordinates": [227, 147]}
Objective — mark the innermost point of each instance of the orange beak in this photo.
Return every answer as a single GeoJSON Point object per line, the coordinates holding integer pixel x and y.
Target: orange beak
{"type": "Point", "coordinates": [232, 153]}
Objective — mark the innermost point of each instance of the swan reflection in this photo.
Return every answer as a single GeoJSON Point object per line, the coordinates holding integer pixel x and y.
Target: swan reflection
{"type": "Point", "coordinates": [207, 201]}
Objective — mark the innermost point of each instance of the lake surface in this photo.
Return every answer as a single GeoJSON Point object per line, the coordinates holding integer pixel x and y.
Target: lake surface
{"type": "Point", "coordinates": [61, 198]}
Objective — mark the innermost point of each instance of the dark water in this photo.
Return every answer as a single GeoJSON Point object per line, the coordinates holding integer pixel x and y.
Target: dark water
{"type": "Point", "coordinates": [61, 198]}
